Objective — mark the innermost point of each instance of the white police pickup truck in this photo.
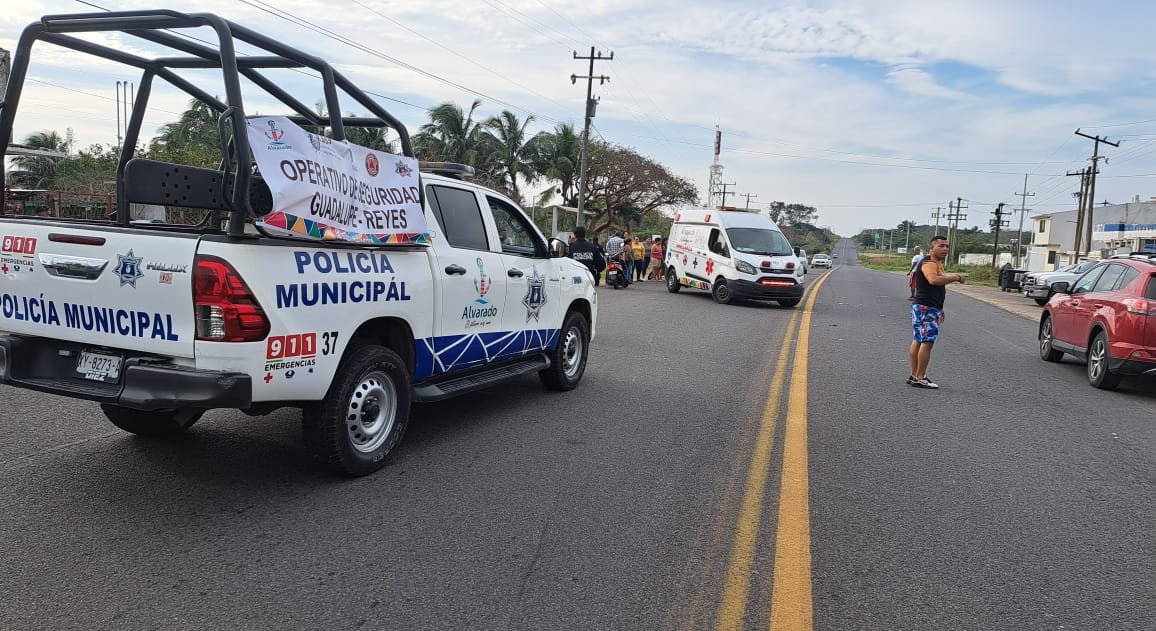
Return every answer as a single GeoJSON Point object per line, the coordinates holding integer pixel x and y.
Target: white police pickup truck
{"type": "Point", "coordinates": [350, 301]}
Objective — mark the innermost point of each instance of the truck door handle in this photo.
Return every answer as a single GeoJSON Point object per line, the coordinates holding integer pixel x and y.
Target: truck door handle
{"type": "Point", "coordinates": [514, 273]}
{"type": "Point", "coordinates": [455, 270]}
{"type": "Point", "coordinates": [72, 266]}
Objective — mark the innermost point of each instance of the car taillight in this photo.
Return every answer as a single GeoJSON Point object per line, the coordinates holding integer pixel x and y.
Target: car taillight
{"type": "Point", "coordinates": [224, 308]}
{"type": "Point", "coordinates": [1140, 306]}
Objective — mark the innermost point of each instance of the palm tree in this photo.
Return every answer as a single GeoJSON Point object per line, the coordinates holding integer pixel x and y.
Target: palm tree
{"type": "Point", "coordinates": [372, 138]}
{"type": "Point", "coordinates": [192, 140]}
{"type": "Point", "coordinates": [509, 152]}
{"type": "Point", "coordinates": [556, 155]}
{"type": "Point", "coordinates": [451, 135]}
{"type": "Point", "coordinates": [39, 171]}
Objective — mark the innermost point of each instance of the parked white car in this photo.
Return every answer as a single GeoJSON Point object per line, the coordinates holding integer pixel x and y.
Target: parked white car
{"type": "Point", "coordinates": [1038, 285]}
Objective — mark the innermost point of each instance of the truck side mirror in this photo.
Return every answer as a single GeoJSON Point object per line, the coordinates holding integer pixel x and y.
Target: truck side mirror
{"type": "Point", "coordinates": [558, 248]}
{"type": "Point", "coordinates": [796, 251]}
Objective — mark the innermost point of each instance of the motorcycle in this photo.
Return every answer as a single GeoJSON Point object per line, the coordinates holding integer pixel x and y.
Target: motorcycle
{"type": "Point", "coordinates": [615, 275]}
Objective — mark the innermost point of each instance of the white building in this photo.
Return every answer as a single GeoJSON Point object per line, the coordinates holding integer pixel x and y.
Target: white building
{"type": "Point", "coordinates": [1116, 229]}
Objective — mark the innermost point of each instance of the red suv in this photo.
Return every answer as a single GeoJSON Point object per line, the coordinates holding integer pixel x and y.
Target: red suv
{"type": "Point", "coordinates": [1107, 318]}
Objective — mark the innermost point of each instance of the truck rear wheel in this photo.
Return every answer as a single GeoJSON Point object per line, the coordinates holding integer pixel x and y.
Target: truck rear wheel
{"type": "Point", "coordinates": [151, 423]}
{"type": "Point", "coordinates": [364, 414]}
{"type": "Point", "coordinates": [568, 361]}
{"type": "Point", "coordinates": [672, 284]}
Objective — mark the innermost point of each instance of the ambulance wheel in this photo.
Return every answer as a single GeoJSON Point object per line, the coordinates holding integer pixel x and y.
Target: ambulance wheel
{"type": "Point", "coordinates": [151, 423]}
{"type": "Point", "coordinates": [789, 302]}
{"type": "Point", "coordinates": [721, 292]}
{"type": "Point", "coordinates": [364, 414]}
{"type": "Point", "coordinates": [672, 284]}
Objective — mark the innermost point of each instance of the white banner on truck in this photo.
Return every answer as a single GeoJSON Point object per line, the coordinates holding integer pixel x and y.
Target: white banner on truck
{"type": "Point", "coordinates": [335, 190]}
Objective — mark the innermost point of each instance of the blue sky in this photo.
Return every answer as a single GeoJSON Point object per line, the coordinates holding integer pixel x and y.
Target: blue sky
{"type": "Point", "coordinates": [874, 111]}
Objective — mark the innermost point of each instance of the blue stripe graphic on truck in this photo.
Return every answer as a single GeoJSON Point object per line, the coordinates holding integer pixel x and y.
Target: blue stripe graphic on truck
{"type": "Point", "coordinates": [440, 355]}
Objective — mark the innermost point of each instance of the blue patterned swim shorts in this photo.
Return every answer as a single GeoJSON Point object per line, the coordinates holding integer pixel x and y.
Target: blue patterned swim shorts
{"type": "Point", "coordinates": [925, 322]}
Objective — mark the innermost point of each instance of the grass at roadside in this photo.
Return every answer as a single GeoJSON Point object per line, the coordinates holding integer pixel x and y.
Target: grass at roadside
{"type": "Point", "coordinates": [977, 274]}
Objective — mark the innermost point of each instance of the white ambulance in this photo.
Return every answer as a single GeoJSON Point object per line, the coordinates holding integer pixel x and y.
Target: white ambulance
{"type": "Point", "coordinates": [733, 254]}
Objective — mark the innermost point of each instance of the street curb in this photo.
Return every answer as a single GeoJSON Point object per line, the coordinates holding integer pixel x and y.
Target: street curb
{"type": "Point", "coordinates": [1013, 302]}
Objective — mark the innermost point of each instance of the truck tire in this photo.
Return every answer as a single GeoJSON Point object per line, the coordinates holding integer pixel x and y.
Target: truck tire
{"type": "Point", "coordinates": [721, 292]}
{"type": "Point", "coordinates": [1099, 373]}
{"type": "Point", "coordinates": [1041, 301]}
{"type": "Point", "coordinates": [151, 423]}
{"type": "Point", "coordinates": [568, 360]}
{"type": "Point", "coordinates": [364, 414]}
{"type": "Point", "coordinates": [672, 284]}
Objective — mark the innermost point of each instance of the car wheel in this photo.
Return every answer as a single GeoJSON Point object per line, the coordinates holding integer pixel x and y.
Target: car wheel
{"type": "Point", "coordinates": [672, 284]}
{"type": "Point", "coordinates": [151, 423]}
{"type": "Point", "coordinates": [721, 292]}
{"type": "Point", "coordinates": [1099, 374]}
{"type": "Point", "coordinates": [364, 414]}
{"type": "Point", "coordinates": [1041, 301]}
{"type": "Point", "coordinates": [1047, 352]}
{"type": "Point", "coordinates": [568, 361]}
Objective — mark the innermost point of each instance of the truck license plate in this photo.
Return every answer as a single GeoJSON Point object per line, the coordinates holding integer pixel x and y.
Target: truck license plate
{"type": "Point", "coordinates": [99, 366]}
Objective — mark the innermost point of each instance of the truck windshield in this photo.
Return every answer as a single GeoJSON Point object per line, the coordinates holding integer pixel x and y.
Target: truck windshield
{"type": "Point", "coordinates": [759, 241]}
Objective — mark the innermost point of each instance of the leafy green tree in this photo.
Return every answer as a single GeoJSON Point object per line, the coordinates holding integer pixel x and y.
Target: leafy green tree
{"type": "Point", "coordinates": [39, 171]}
{"type": "Point", "coordinates": [91, 170]}
{"type": "Point", "coordinates": [620, 177]}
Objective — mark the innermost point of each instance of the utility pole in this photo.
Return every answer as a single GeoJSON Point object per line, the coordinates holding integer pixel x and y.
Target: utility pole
{"type": "Point", "coordinates": [1092, 187]}
{"type": "Point", "coordinates": [1023, 209]}
{"type": "Point", "coordinates": [591, 105]}
{"type": "Point", "coordinates": [954, 217]}
{"type": "Point", "coordinates": [1082, 196]}
{"type": "Point", "coordinates": [749, 196]}
{"type": "Point", "coordinates": [997, 223]}
{"type": "Point", "coordinates": [724, 192]}
{"type": "Point", "coordinates": [907, 241]}
{"type": "Point", "coordinates": [936, 214]}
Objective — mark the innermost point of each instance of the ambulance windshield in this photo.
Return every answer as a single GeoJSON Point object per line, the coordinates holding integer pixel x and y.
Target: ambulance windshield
{"type": "Point", "coordinates": [759, 241]}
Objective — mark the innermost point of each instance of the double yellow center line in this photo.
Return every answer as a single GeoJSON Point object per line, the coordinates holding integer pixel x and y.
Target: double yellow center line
{"type": "Point", "coordinates": [791, 591]}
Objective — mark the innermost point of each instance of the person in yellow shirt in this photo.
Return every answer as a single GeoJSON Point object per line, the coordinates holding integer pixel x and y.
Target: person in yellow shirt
{"type": "Point", "coordinates": [639, 252]}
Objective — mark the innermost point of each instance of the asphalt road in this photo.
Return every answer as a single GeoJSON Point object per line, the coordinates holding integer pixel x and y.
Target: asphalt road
{"type": "Point", "coordinates": [1016, 497]}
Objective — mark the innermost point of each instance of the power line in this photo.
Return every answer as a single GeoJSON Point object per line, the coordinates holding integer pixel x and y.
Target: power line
{"type": "Point", "coordinates": [265, 7]}
{"type": "Point", "coordinates": [456, 53]}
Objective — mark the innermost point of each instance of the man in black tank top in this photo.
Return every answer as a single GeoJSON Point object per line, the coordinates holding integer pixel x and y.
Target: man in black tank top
{"type": "Point", "coordinates": [927, 310]}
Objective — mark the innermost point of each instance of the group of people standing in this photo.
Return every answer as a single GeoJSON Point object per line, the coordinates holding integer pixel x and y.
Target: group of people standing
{"type": "Point", "coordinates": [640, 259]}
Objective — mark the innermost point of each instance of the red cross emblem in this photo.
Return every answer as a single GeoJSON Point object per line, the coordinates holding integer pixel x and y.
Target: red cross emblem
{"type": "Point", "coordinates": [268, 377]}
{"type": "Point", "coordinates": [4, 269]}
{"type": "Point", "coordinates": [710, 266]}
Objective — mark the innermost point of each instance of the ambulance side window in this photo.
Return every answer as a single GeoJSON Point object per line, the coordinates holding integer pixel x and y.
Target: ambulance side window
{"type": "Point", "coordinates": [716, 243]}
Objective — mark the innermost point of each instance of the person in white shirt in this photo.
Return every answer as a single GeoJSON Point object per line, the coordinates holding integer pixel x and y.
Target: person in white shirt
{"type": "Point", "coordinates": [915, 260]}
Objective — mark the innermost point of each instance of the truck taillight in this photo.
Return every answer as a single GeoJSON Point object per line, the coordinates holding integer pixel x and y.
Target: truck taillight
{"type": "Point", "coordinates": [224, 308]}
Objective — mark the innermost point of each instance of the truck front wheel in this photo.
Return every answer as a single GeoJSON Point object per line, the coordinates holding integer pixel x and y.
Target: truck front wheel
{"type": "Point", "coordinates": [568, 361]}
{"type": "Point", "coordinates": [151, 423]}
{"type": "Point", "coordinates": [364, 414]}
